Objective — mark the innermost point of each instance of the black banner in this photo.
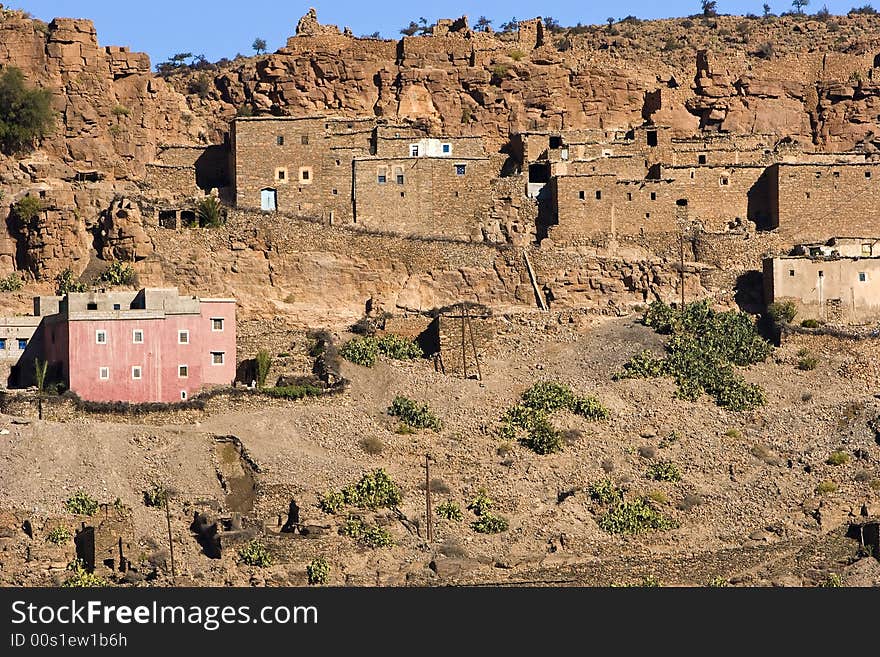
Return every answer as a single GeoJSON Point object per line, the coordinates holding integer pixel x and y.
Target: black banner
{"type": "Point", "coordinates": [388, 620]}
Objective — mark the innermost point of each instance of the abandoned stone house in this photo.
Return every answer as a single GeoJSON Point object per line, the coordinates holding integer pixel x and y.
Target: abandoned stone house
{"type": "Point", "coordinates": [837, 282]}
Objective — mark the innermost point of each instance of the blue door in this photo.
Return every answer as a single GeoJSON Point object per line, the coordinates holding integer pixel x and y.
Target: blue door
{"type": "Point", "coordinates": [268, 200]}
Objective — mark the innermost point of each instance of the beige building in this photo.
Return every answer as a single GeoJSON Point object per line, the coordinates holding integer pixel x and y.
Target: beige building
{"type": "Point", "coordinates": [836, 289]}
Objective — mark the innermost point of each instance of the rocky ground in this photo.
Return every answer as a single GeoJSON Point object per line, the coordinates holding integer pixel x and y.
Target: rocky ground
{"type": "Point", "coordinates": [747, 507]}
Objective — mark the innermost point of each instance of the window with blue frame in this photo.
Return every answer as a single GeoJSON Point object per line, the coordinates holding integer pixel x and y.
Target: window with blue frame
{"type": "Point", "coordinates": [460, 169]}
{"type": "Point", "coordinates": [2, 343]}
{"type": "Point", "coordinates": [22, 343]}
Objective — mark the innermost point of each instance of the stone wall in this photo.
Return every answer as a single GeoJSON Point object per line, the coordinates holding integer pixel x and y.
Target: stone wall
{"type": "Point", "coordinates": [816, 202]}
{"type": "Point", "coordinates": [423, 196]}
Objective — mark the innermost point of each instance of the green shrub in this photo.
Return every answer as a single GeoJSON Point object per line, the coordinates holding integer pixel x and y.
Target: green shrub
{"type": "Point", "coordinates": [25, 113]}
{"type": "Point", "coordinates": [372, 536]}
{"type": "Point", "coordinates": [82, 578]}
{"type": "Point", "coordinates": [718, 582]}
{"type": "Point", "coordinates": [210, 212]}
{"type": "Point", "coordinates": [118, 273]}
{"type": "Point", "coordinates": [81, 504]}
{"type": "Point", "coordinates": [59, 535]}
{"type": "Point", "coordinates": [318, 571]}
{"type": "Point", "coordinates": [832, 581]}
{"type": "Point", "coordinates": [375, 490]}
{"type": "Point", "coordinates": [399, 347]}
{"type": "Point", "coordinates": [811, 323]}
{"type": "Point", "coordinates": [517, 55]}
{"type": "Point", "coordinates": [782, 311]}
{"type": "Point", "coordinates": [589, 408]}
{"type": "Point", "coordinates": [66, 282]}
{"type": "Point", "coordinates": [489, 523]}
{"type": "Point", "coordinates": [361, 351]}
{"type": "Point", "coordinates": [263, 363]}
{"type": "Point", "coordinates": [529, 422]}
{"type": "Point", "coordinates": [27, 209]}
{"type": "Point", "coordinates": [414, 414]}
{"type": "Point", "coordinates": [255, 554]}
{"type": "Point", "coordinates": [838, 457]}
{"type": "Point", "coordinates": [331, 502]}
{"type": "Point", "coordinates": [12, 283]}
{"type": "Point", "coordinates": [700, 356]}
{"type": "Point", "coordinates": [826, 487]}
{"type": "Point", "coordinates": [450, 511]}
{"type": "Point", "coordinates": [543, 439]}
{"type": "Point", "coordinates": [664, 472]}
{"type": "Point", "coordinates": [482, 503]}
{"type": "Point", "coordinates": [658, 496]}
{"type": "Point", "coordinates": [807, 360]}
{"type": "Point", "coordinates": [293, 391]}
{"type": "Point", "coordinates": [120, 110]}
{"type": "Point", "coordinates": [155, 496]}
{"type": "Point", "coordinates": [500, 72]}
{"type": "Point", "coordinates": [548, 396]}
{"type": "Point", "coordinates": [632, 518]}
{"type": "Point", "coordinates": [644, 365]}
{"type": "Point", "coordinates": [365, 350]}
{"type": "Point", "coordinates": [605, 492]}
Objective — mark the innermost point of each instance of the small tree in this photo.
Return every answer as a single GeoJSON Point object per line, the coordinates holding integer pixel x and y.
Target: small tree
{"type": "Point", "coordinates": [25, 114]}
{"type": "Point", "coordinates": [210, 213]}
{"type": "Point", "coordinates": [264, 363]}
{"type": "Point", "coordinates": [709, 7]}
{"type": "Point", "coordinates": [799, 5]}
{"type": "Point", "coordinates": [610, 21]}
{"type": "Point", "coordinates": [410, 29]}
{"type": "Point", "coordinates": [510, 25]}
{"type": "Point", "coordinates": [483, 24]}
{"type": "Point", "coordinates": [40, 369]}
{"type": "Point", "coordinates": [767, 11]}
{"type": "Point", "coordinates": [259, 45]}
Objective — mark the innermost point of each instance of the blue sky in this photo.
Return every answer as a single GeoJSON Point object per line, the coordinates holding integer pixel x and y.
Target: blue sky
{"type": "Point", "coordinates": [221, 28]}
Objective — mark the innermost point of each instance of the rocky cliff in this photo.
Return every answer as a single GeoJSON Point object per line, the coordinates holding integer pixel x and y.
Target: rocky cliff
{"type": "Point", "coordinates": [106, 167]}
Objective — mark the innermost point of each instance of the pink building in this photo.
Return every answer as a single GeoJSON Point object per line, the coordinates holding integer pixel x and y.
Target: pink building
{"type": "Point", "coordinates": [147, 346]}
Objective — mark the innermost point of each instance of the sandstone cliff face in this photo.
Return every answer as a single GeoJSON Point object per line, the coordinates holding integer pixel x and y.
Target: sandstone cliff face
{"type": "Point", "coordinates": [814, 81]}
{"type": "Point", "coordinates": [112, 111]}
{"type": "Point", "coordinates": [784, 76]}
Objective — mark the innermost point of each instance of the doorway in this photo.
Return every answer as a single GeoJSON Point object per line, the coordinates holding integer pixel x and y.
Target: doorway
{"type": "Point", "coordinates": [268, 200]}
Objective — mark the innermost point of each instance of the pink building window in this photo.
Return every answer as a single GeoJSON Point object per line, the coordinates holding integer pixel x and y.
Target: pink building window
{"type": "Point", "coordinates": [218, 357]}
{"type": "Point", "coordinates": [183, 337]}
{"type": "Point", "coordinates": [104, 373]}
{"type": "Point", "coordinates": [137, 336]}
{"type": "Point", "coordinates": [183, 395]}
{"type": "Point", "coordinates": [183, 371]}
{"type": "Point", "coordinates": [136, 373]}
{"type": "Point", "coordinates": [101, 337]}
{"type": "Point", "coordinates": [216, 323]}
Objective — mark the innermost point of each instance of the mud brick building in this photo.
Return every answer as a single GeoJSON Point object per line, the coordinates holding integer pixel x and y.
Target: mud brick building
{"type": "Point", "coordinates": [152, 345]}
{"type": "Point", "coordinates": [838, 282]}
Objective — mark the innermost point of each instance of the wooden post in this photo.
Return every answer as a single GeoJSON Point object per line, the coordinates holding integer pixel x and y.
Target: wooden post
{"type": "Point", "coordinates": [429, 524]}
{"type": "Point", "coordinates": [463, 351]}
{"type": "Point", "coordinates": [681, 264]}
{"type": "Point", "coordinates": [170, 542]}
{"type": "Point", "coordinates": [474, 346]}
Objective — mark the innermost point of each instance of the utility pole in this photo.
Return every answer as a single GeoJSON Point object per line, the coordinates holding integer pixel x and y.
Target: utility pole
{"type": "Point", "coordinates": [429, 525]}
{"type": "Point", "coordinates": [681, 264]}
{"type": "Point", "coordinates": [170, 542]}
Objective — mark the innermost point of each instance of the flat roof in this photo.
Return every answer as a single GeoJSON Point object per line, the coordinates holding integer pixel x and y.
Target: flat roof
{"type": "Point", "coordinates": [446, 158]}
